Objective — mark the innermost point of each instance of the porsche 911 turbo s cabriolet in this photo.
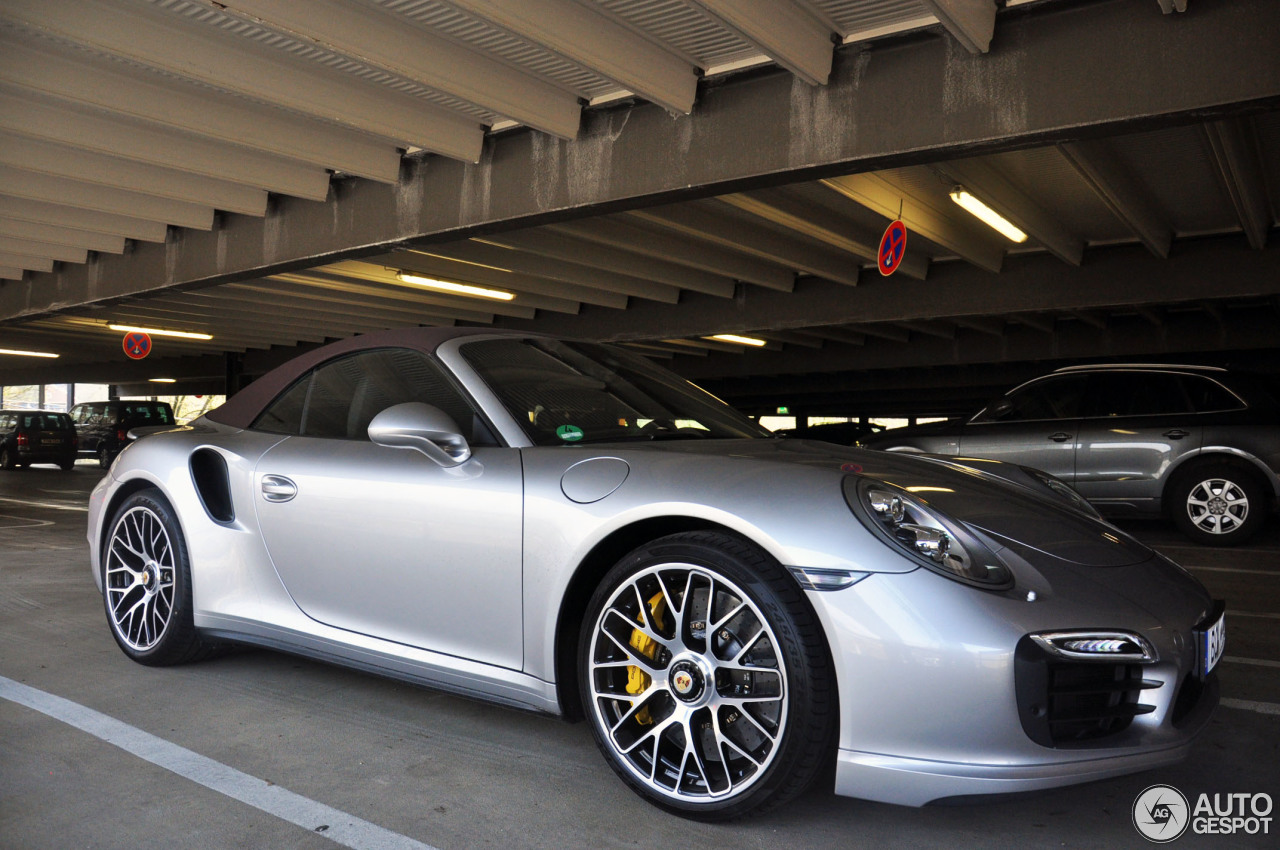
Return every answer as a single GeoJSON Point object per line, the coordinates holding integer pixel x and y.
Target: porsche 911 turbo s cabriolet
{"type": "Point", "coordinates": [567, 527]}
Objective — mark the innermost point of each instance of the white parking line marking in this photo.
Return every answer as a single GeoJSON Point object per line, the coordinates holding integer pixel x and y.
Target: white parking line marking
{"type": "Point", "coordinates": [1252, 705]}
{"type": "Point", "coordinates": [1256, 662]}
{"type": "Point", "coordinates": [338, 826]}
{"type": "Point", "coordinates": [51, 505]}
{"type": "Point", "coordinates": [22, 522]}
{"type": "Point", "coordinates": [1275, 573]}
{"type": "Point", "coordinates": [1255, 614]}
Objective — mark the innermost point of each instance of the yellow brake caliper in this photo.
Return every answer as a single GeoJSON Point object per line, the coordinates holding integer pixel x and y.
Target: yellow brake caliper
{"type": "Point", "coordinates": [638, 680]}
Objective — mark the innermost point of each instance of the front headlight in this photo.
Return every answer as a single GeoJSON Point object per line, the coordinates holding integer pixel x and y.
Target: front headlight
{"type": "Point", "coordinates": [925, 534]}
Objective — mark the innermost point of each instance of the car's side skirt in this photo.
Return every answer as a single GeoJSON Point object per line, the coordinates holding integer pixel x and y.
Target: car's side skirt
{"type": "Point", "coordinates": [408, 664]}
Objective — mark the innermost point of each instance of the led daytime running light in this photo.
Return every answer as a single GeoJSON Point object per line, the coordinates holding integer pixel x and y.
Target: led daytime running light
{"type": "Point", "coordinates": [1097, 646]}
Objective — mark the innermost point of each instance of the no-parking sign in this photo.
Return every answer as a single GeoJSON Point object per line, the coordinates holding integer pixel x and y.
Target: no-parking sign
{"type": "Point", "coordinates": [893, 247]}
{"type": "Point", "coordinates": [137, 345]}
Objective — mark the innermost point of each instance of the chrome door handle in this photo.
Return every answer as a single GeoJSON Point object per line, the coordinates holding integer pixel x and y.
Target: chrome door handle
{"type": "Point", "coordinates": [1177, 434]}
{"type": "Point", "coordinates": [277, 488]}
{"type": "Point", "coordinates": [1060, 437]}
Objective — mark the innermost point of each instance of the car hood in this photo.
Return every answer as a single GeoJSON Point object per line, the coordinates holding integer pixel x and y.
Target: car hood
{"type": "Point", "coordinates": [1011, 514]}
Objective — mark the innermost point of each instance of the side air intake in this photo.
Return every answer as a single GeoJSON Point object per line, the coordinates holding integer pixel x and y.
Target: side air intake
{"type": "Point", "coordinates": [209, 473]}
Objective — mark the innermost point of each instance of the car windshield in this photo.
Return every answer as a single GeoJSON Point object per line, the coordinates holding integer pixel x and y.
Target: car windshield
{"type": "Point", "coordinates": [574, 392]}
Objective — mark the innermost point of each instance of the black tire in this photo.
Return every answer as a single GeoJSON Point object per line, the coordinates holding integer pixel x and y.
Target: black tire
{"type": "Point", "coordinates": [104, 457]}
{"type": "Point", "coordinates": [67, 464]}
{"type": "Point", "coordinates": [7, 460]}
{"type": "Point", "coordinates": [685, 689]}
{"type": "Point", "coordinates": [146, 579]}
{"type": "Point", "coordinates": [1218, 503]}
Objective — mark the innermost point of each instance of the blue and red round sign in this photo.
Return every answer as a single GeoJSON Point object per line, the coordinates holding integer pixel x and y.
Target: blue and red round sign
{"type": "Point", "coordinates": [137, 345]}
{"type": "Point", "coordinates": [893, 247]}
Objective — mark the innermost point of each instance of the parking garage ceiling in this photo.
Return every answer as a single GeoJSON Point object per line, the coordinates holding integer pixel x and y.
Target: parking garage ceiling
{"type": "Point", "coordinates": [651, 172]}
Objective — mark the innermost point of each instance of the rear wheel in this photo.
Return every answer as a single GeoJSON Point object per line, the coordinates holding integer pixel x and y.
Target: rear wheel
{"type": "Point", "coordinates": [1219, 503]}
{"type": "Point", "coordinates": [147, 584]}
{"type": "Point", "coordinates": [67, 464]}
{"type": "Point", "coordinates": [7, 460]}
{"type": "Point", "coordinates": [705, 677]}
{"type": "Point", "coordinates": [104, 457]}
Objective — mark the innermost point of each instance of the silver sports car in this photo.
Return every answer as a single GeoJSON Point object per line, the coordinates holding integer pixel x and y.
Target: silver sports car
{"type": "Point", "coordinates": [569, 528]}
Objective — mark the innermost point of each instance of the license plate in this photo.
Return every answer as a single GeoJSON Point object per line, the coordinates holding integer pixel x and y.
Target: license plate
{"type": "Point", "coordinates": [1212, 641]}
{"type": "Point", "coordinates": [56, 441]}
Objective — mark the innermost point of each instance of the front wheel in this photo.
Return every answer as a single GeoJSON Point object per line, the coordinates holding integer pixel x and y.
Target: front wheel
{"type": "Point", "coordinates": [1219, 504]}
{"type": "Point", "coordinates": [147, 584]}
{"type": "Point", "coordinates": [705, 677]}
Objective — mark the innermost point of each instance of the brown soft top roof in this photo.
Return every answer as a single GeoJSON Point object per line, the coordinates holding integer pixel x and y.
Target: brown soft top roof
{"type": "Point", "coordinates": [243, 408]}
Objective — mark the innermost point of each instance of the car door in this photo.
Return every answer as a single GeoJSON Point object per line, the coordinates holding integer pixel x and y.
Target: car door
{"type": "Point", "coordinates": [1034, 425]}
{"type": "Point", "coordinates": [1137, 424]}
{"type": "Point", "coordinates": [383, 541]}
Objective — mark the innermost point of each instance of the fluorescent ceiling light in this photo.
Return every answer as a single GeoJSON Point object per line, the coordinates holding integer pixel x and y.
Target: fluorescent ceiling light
{"type": "Point", "coordinates": [450, 286]}
{"type": "Point", "coordinates": [159, 332]}
{"type": "Point", "coordinates": [740, 340]}
{"type": "Point", "coordinates": [163, 380]}
{"type": "Point", "coordinates": [21, 353]}
{"type": "Point", "coordinates": [988, 216]}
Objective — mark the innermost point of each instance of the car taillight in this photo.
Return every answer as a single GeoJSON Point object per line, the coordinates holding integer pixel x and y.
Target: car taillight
{"type": "Point", "coordinates": [122, 435]}
{"type": "Point", "coordinates": [22, 440]}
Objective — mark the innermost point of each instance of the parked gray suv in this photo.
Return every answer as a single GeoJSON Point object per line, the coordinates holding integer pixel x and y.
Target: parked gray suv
{"type": "Point", "coordinates": [1201, 444]}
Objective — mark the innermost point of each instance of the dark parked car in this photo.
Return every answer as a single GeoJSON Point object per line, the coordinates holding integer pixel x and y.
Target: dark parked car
{"type": "Point", "coordinates": [840, 433]}
{"type": "Point", "coordinates": [104, 426]}
{"type": "Point", "coordinates": [1199, 443]}
{"type": "Point", "coordinates": [36, 436]}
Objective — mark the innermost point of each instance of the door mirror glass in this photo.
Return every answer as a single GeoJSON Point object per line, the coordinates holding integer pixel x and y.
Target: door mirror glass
{"type": "Point", "coordinates": [423, 427]}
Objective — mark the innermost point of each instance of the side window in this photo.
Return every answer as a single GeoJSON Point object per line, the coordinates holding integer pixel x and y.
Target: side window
{"type": "Point", "coordinates": [111, 414]}
{"type": "Point", "coordinates": [284, 415]}
{"type": "Point", "coordinates": [340, 398]}
{"type": "Point", "coordinates": [398, 375]}
{"type": "Point", "coordinates": [333, 388]}
{"type": "Point", "coordinates": [1208, 395]}
{"type": "Point", "coordinates": [1137, 394]}
{"type": "Point", "coordinates": [164, 415]}
{"type": "Point", "coordinates": [77, 414]}
{"type": "Point", "coordinates": [348, 393]}
{"type": "Point", "coordinates": [1052, 398]}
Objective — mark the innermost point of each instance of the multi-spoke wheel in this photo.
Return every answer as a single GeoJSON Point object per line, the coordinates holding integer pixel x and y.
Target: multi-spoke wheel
{"type": "Point", "coordinates": [705, 677]}
{"type": "Point", "coordinates": [1218, 504]}
{"type": "Point", "coordinates": [147, 583]}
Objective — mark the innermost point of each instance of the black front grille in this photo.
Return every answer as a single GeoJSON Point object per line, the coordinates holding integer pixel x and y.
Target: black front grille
{"type": "Point", "coordinates": [1063, 702]}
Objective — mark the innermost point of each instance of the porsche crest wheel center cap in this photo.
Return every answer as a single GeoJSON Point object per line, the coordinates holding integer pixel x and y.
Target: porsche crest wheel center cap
{"type": "Point", "coordinates": [687, 681]}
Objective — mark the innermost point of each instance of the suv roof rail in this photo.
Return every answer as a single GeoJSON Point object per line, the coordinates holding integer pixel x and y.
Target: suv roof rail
{"type": "Point", "coordinates": [1139, 366]}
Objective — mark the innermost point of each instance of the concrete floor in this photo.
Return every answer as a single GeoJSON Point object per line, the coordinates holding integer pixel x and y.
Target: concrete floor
{"type": "Point", "coordinates": [456, 774]}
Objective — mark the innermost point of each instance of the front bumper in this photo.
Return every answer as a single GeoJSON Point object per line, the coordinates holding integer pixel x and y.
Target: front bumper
{"type": "Point", "coordinates": [928, 679]}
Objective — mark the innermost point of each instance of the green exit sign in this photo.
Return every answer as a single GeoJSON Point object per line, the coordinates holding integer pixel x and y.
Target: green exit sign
{"type": "Point", "coordinates": [784, 411]}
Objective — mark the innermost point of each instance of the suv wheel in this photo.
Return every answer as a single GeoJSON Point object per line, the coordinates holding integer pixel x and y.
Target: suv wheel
{"type": "Point", "coordinates": [104, 457]}
{"type": "Point", "coordinates": [7, 460]}
{"type": "Point", "coordinates": [1218, 503]}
